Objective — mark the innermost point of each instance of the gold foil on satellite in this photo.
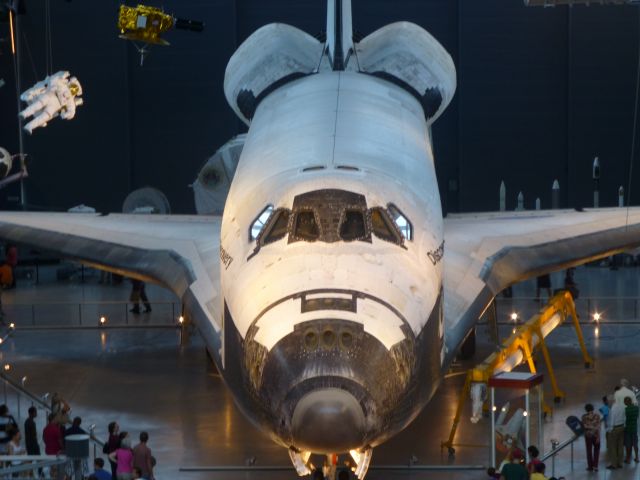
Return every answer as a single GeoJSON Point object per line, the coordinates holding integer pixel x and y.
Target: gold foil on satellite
{"type": "Point", "coordinates": [144, 24]}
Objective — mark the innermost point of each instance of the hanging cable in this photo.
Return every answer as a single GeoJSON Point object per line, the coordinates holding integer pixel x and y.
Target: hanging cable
{"type": "Point", "coordinates": [33, 64]}
{"type": "Point", "coordinates": [50, 39]}
{"type": "Point", "coordinates": [47, 38]}
{"type": "Point", "coordinates": [635, 124]}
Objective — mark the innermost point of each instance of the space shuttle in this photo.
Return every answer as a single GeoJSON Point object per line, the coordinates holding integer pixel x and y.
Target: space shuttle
{"type": "Point", "coordinates": [332, 294]}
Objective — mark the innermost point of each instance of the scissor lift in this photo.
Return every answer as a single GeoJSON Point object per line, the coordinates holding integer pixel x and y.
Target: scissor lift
{"type": "Point", "coordinates": [519, 348]}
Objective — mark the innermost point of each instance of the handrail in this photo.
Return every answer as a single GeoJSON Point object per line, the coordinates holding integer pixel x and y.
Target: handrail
{"type": "Point", "coordinates": [18, 388]}
{"type": "Point", "coordinates": [277, 468]}
{"type": "Point", "coordinates": [35, 399]}
{"type": "Point", "coordinates": [6, 302]}
{"type": "Point", "coordinates": [558, 448]}
{"type": "Point", "coordinates": [41, 461]}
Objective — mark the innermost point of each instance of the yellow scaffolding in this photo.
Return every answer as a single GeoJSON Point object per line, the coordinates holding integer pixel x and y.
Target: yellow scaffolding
{"type": "Point", "coordinates": [522, 344]}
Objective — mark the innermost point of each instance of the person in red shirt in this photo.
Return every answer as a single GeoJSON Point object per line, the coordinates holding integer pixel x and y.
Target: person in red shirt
{"type": "Point", "coordinates": [52, 437]}
{"type": "Point", "coordinates": [534, 453]}
{"type": "Point", "coordinates": [142, 457]}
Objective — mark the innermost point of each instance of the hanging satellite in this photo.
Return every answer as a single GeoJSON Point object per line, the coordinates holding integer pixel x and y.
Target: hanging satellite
{"type": "Point", "coordinates": [145, 25]}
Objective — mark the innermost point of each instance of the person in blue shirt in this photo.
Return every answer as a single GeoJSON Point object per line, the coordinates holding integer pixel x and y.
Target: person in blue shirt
{"type": "Point", "coordinates": [604, 410]}
{"type": "Point", "coordinates": [100, 473]}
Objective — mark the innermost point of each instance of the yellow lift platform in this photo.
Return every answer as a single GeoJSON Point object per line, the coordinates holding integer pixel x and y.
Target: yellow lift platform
{"type": "Point", "coordinates": [519, 348]}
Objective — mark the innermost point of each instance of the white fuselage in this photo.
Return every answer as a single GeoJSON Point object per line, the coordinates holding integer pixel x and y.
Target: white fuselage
{"type": "Point", "coordinates": [334, 131]}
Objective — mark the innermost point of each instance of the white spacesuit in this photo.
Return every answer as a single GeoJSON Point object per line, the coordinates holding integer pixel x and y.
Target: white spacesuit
{"type": "Point", "coordinates": [55, 95]}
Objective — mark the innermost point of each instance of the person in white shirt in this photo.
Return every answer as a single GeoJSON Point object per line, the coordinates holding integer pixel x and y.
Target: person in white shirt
{"type": "Point", "coordinates": [623, 392]}
{"type": "Point", "coordinates": [15, 448]}
{"type": "Point", "coordinates": [615, 436]}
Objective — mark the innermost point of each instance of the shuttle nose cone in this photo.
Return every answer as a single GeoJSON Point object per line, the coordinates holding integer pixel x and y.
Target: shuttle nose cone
{"type": "Point", "coordinates": [329, 420]}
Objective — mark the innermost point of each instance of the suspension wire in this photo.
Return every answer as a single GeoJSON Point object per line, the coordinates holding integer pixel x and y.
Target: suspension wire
{"type": "Point", "coordinates": [635, 124]}
{"type": "Point", "coordinates": [46, 36]}
{"type": "Point", "coordinates": [47, 40]}
{"type": "Point", "coordinates": [15, 44]}
{"type": "Point", "coordinates": [50, 39]}
{"type": "Point", "coordinates": [33, 64]}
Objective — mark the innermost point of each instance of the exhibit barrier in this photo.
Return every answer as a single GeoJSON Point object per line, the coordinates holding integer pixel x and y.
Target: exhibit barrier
{"type": "Point", "coordinates": [33, 464]}
{"type": "Point", "coordinates": [610, 310]}
{"type": "Point", "coordinates": [414, 470]}
{"type": "Point", "coordinates": [556, 448]}
{"type": "Point", "coordinates": [18, 398]}
{"type": "Point", "coordinates": [104, 314]}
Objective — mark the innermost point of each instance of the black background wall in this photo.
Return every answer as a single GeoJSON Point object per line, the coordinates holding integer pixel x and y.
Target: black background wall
{"type": "Point", "coordinates": [540, 93]}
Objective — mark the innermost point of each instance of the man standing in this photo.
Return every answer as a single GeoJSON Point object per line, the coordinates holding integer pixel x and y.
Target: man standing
{"type": "Point", "coordinates": [631, 429]}
{"type": "Point", "coordinates": [138, 292]}
{"type": "Point", "coordinates": [623, 391]}
{"type": "Point", "coordinates": [75, 428]}
{"type": "Point", "coordinates": [142, 457]}
{"type": "Point", "coordinates": [30, 433]}
{"type": "Point", "coordinates": [615, 445]}
{"type": "Point", "coordinates": [591, 424]}
{"type": "Point", "coordinates": [52, 436]}
{"type": "Point", "coordinates": [7, 426]}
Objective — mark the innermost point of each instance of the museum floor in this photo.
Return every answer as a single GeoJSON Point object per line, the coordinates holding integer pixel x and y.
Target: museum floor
{"type": "Point", "coordinates": [144, 379]}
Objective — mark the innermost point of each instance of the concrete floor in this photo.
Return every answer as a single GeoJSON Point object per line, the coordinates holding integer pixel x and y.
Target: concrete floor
{"type": "Point", "coordinates": [146, 380]}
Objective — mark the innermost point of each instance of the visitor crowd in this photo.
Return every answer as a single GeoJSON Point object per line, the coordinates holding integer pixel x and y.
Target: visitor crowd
{"type": "Point", "coordinates": [127, 462]}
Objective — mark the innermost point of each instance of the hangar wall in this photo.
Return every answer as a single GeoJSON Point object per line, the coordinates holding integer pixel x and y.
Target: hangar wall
{"type": "Point", "coordinates": [540, 93]}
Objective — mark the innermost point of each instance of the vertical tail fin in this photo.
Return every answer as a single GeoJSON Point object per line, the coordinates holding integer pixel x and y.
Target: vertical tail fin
{"type": "Point", "coordinates": [339, 45]}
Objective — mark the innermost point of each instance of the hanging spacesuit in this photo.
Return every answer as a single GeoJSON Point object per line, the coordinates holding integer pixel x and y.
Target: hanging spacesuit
{"type": "Point", "coordinates": [58, 94]}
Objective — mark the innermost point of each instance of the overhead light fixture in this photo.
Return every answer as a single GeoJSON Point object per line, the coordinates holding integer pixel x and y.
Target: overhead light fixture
{"type": "Point", "coordinates": [103, 320]}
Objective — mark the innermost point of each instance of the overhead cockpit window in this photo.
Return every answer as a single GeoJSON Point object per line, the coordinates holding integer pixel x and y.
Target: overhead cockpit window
{"type": "Point", "coordinates": [277, 227]}
{"type": "Point", "coordinates": [305, 226]}
{"type": "Point", "coordinates": [259, 223]}
{"type": "Point", "coordinates": [401, 221]}
{"type": "Point", "coordinates": [353, 225]}
{"type": "Point", "coordinates": [383, 227]}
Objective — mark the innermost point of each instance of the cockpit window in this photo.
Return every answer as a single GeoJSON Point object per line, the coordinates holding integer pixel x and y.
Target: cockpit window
{"type": "Point", "coordinates": [259, 223]}
{"type": "Point", "coordinates": [330, 216]}
{"type": "Point", "coordinates": [277, 227]}
{"type": "Point", "coordinates": [353, 225]}
{"type": "Point", "coordinates": [383, 227]}
{"type": "Point", "coordinates": [401, 221]}
{"type": "Point", "coordinates": [305, 226]}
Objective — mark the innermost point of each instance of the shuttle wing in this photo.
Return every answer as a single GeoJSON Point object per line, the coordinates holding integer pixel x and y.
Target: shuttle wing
{"type": "Point", "coordinates": [486, 252]}
{"type": "Point", "coordinates": [180, 252]}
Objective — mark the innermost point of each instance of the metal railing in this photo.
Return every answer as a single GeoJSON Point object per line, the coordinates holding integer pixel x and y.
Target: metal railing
{"type": "Point", "coordinates": [102, 314]}
{"type": "Point", "coordinates": [34, 464]}
{"type": "Point", "coordinates": [612, 310]}
{"type": "Point", "coordinates": [557, 447]}
{"type": "Point", "coordinates": [39, 402]}
{"type": "Point", "coordinates": [288, 468]}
